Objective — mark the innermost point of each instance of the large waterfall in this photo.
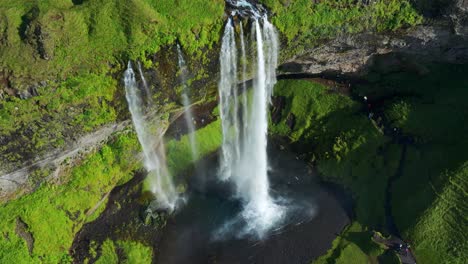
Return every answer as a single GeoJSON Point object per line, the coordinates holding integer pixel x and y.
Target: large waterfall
{"type": "Point", "coordinates": [153, 148]}
{"type": "Point", "coordinates": [244, 158]}
{"type": "Point", "coordinates": [188, 116]}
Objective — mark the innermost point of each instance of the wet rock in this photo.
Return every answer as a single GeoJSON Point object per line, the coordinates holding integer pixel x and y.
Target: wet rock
{"type": "Point", "coordinates": [153, 215]}
{"type": "Point", "coordinates": [291, 121]}
{"type": "Point", "coordinates": [278, 102]}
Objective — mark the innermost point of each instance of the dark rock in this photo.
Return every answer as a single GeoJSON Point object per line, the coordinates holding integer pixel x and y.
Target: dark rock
{"type": "Point", "coordinates": [33, 33]}
{"type": "Point", "coordinates": [278, 102]}
{"type": "Point", "coordinates": [352, 54]}
{"type": "Point", "coordinates": [291, 121]}
{"type": "Point", "coordinates": [22, 231]}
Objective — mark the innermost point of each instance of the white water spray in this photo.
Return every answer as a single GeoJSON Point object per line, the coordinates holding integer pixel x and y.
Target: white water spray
{"type": "Point", "coordinates": [247, 167]}
{"type": "Point", "coordinates": [188, 116]}
{"type": "Point", "coordinates": [153, 150]}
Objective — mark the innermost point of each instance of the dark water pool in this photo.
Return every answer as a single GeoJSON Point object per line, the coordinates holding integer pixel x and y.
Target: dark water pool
{"type": "Point", "coordinates": [316, 214]}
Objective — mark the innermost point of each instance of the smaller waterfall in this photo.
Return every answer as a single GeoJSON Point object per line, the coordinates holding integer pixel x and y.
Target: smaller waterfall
{"type": "Point", "coordinates": [245, 109]}
{"type": "Point", "coordinates": [145, 84]}
{"type": "Point", "coordinates": [229, 103]}
{"type": "Point", "coordinates": [187, 105]}
{"type": "Point", "coordinates": [153, 150]}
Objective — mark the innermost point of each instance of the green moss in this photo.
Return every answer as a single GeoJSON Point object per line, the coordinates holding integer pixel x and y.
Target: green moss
{"type": "Point", "coordinates": [179, 154]}
{"type": "Point", "coordinates": [131, 252]}
{"type": "Point", "coordinates": [53, 39]}
{"type": "Point", "coordinates": [428, 198]}
{"type": "Point", "coordinates": [310, 103]}
{"type": "Point", "coordinates": [348, 149]}
{"type": "Point", "coordinates": [108, 254]}
{"type": "Point", "coordinates": [73, 107]}
{"type": "Point", "coordinates": [135, 253]}
{"type": "Point", "coordinates": [353, 245]}
{"type": "Point", "coordinates": [54, 213]}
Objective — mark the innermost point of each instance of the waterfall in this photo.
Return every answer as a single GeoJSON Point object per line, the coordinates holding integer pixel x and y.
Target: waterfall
{"type": "Point", "coordinates": [228, 106]}
{"type": "Point", "coordinates": [188, 116]}
{"type": "Point", "coordinates": [247, 167]}
{"type": "Point", "coordinates": [153, 150]}
{"type": "Point", "coordinates": [145, 84]}
{"type": "Point", "coordinates": [244, 81]}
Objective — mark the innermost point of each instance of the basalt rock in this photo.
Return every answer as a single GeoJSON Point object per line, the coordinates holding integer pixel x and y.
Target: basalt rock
{"type": "Point", "coordinates": [351, 54]}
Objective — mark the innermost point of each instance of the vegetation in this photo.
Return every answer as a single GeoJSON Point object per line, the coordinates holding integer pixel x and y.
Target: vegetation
{"type": "Point", "coordinates": [305, 22]}
{"type": "Point", "coordinates": [419, 109]}
{"type": "Point", "coordinates": [67, 54]}
{"type": "Point", "coordinates": [133, 253]}
{"type": "Point", "coordinates": [354, 245]}
{"type": "Point", "coordinates": [333, 132]}
{"type": "Point", "coordinates": [52, 39]}
{"type": "Point", "coordinates": [428, 197]}
{"type": "Point", "coordinates": [43, 122]}
{"type": "Point", "coordinates": [179, 154]}
{"type": "Point", "coordinates": [54, 213]}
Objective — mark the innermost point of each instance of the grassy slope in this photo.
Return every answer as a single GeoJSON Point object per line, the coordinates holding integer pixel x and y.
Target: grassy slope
{"type": "Point", "coordinates": [86, 46]}
{"type": "Point", "coordinates": [352, 246]}
{"type": "Point", "coordinates": [179, 155]}
{"type": "Point", "coordinates": [348, 150]}
{"type": "Point", "coordinates": [44, 121]}
{"type": "Point", "coordinates": [54, 213]}
{"type": "Point", "coordinates": [346, 146]}
{"type": "Point", "coordinates": [133, 253]}
{"type": "Point", "coordinates": [89, 37]}
{"type": "Point", "coordinates": [428, 199]}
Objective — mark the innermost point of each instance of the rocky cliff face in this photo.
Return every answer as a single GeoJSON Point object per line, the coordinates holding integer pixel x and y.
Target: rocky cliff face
{"type": "Point", "coordinates": [352, 54]}
{"type": "Point", "coordinates": [443, 37]}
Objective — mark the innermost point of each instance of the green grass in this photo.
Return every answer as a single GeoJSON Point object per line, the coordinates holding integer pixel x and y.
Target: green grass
{"type": "Point", "coordinates": [305, 22]}
{"type": "Point", "coordinates": [343, 142]}
{"type": "Point", "coordinates": [179, 154]}
{"type": "Point", "coordinates": [309, 102]}
{"type": "Point", "coordinates": [428, 199]}
{"type": "Point", "coordinates": [353, 245]}
{"type": "Point", "coordinates": [55, 212]}
{"type": "Point", "coordinates": [108, 254]}
{"type": "Point", "coordinates": [98, 34]}
{"type": "Point", "coordinates": [422, 101]}
{"type": "Point", "coordinates": [133, 253]}
{"type": "Point", "coordinates": [87, 46]}
{"type": "Point", "coordinates": [41, 123]}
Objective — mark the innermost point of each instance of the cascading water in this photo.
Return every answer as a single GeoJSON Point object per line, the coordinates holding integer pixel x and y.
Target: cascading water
{"type": "Point", "coordinates": [153, 150]}
{"type": "Point", "coordinates": [228, 104]}
{"type": "Point", "coordinates": [188, 116]}
{"type": "Point", "coordinates": [245, 109]}
{"type": "Point", "coordinates": [244, 156]}
{"type": "Point", "coordinates": [145, 83]}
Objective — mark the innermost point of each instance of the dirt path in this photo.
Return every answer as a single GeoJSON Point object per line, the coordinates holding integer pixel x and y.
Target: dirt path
{"type": "Point", "coordinates": [12, 181]}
